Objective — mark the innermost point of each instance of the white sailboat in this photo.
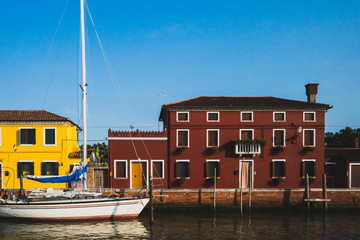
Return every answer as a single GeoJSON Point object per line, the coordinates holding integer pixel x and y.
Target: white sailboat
{"type": "Point", "coordinates": [68, 205]}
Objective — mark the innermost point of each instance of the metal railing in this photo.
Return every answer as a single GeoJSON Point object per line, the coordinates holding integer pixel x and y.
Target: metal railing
{"type": "Point", "coordinates": [247, 148]}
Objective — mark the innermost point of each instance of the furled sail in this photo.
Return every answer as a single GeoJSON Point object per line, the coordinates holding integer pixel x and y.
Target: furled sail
{"type": "Point", "coordinates": [73, 176]}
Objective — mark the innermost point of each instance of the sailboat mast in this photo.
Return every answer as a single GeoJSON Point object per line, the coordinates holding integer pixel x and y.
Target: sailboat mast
{"type": "Point", "coordinates": [84, 85]}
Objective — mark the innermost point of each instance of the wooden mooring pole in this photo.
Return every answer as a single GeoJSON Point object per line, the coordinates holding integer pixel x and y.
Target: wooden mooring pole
{"type": "Point", "coordinates": [151, 200]}
{"type": "Point", "coordinates": [307, 192]}
{"type": "Point", "coordinates": [241, 183]}
{"type": "Point", "coordinates": [250, 185]}
{"type": "Point", "coordinates": [324, 192]}
{"type": "Point", "coordinates": [215, 179]}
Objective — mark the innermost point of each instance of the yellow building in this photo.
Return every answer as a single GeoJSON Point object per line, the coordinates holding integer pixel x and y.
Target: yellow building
{"type": "Point", "coordinates": [36, 142]}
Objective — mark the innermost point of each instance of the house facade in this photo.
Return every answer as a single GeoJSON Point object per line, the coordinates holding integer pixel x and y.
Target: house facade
{"type": "Point", "coordinates": [260, 142]}
{"type": "Point", "coordinates": [36, 142]}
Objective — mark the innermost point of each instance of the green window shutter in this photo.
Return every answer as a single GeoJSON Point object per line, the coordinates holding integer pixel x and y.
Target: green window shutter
{"type": "Point", "coordinates": [43, 168]}
{"type": "Point", "coordinates": [19, 169]}
{"type": "Point", "coordinates": [177, 173]}
{"type": "Point", "coordinates": [218, 170]}
{"type": "Point", "coordinates": [272, 169]}
{"type": "Point", "coordinates": [32, 167]}
{"type": "Point", "coordinates": [56, 168]}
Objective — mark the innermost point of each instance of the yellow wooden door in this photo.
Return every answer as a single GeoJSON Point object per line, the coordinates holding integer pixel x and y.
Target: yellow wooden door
{"type": "Point", "coordinates": [137, 175]}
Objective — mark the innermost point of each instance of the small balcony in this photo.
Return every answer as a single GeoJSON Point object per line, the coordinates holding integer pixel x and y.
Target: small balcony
{"type": "Point", "coordinates": [248, 148]}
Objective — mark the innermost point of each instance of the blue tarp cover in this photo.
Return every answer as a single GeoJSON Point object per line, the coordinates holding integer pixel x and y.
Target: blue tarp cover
{"type": "Point", "coordinates": [74, 176]}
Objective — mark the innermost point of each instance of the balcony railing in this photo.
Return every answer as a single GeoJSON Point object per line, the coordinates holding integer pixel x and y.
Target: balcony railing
{"type": "Point", "coordinates": [248, 148]}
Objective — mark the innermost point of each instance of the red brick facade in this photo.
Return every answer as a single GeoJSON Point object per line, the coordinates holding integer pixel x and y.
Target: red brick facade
{"type": "Point", "coordinates": [202, 133]}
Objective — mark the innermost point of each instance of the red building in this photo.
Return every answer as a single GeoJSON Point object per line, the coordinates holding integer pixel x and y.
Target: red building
{"type": "Point", "coordinates": [266, 141]}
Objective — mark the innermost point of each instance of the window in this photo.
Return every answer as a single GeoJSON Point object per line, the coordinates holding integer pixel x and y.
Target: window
{"type": "Point", "coordinates": [309, 137]}
{"type": "Point", "coordinates": [182, 138]}
{"type": "Point", "coordinates": [27, 136]}
{"type": "Point", "coordinates": [157, 169]}
{"type": "Point", "coordinates": [50, 168]}
{"type": "Point", "coordinates": [279, 117]}
{"type": "Point", "coordinates": [182, 116]}
{"type": "Point", "coordinates": [182, 169]}
{"type": "Point", "coordinates": [309, 117]}
{"type": "Point", "coordinates": [120, 169]}
{"type": "Point", "coordinates": [213, 117]}
{"type": "Point", "coordinates": [308, 167]}
{"type": "Point", "coordinates": [49, 136]}
{"type": "Point", "coordinates": [278, 168]}
{"type": "Point", "coordinates": [246, 116]}
{"type": "Point", "coordinates": [330, 169]}
{"type": "Point", "coordinates": [212, 137]}
{"type": "Point", "coordinates": [279, 137]}
{"type": "Point", "coordinates": [25, 168]}
{"type": "Point", "coordinates": [211, 165]}
{"type": "Point", "coordinates": [246, 134]}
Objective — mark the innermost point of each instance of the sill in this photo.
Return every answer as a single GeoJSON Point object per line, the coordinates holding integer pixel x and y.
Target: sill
{"type": "Point", "coordinates": [278, 177]}
{"type": "Point", "coordinates": [121, 178]}
{"type": "Point", "coordinates": [247, 120]}
{"type": "Point", "coordinates": [182, 147]}
{"type": "Point", "coordinates": [212, 177]}
{"type": "Point", "coordinates": [309, 120]}
{"type": "Point", "coordinates": [303, 177]}
{"type": "Point", "coordinates": [212, 146]}
{"type": "Point", "coordinates": [26, 145]}
{"type": "Point", "coordinates": [183, 121]}
{"type": "Point", "coordinates": [279, 146]}
{"type": "Point", "coordinates": [154, 178]}
{"type": "Point", "coordinates": [213, 120]}
{"type": "Point", "coordinates": [279, 121]}
{"type": "Point", "coordinates": [309, 146]}
{"type": "Point", "coordinates": [50, 145]}
{"type": "Point", "coordinates": [183, 177]}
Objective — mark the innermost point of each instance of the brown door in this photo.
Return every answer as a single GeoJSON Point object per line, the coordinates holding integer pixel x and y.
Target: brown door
{"type": "Point", "coordinates": [355, 176]}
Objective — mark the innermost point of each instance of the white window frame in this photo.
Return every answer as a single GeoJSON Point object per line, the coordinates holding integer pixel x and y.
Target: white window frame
{"type": "Point", "coordinates": [312, 129]}
{"type": "Point", "coordinates": [182, 160]}
{"type": "Point", "coordinates": [309, 120]}
{"type": "Point", "coordinates": [207, 137]}
{"type": "Point", "coordinates": [212, 160]}
{"type": "Point", "coordinates": [282, 129]}
{"type": "Point", "coordinates": [252, 130]}
{"type": "Point", "coordinates": [279, 160]}
{"type": "Point", "coordinates": [147, 170]}
{"type": "Point", "coordinates": [207, 117]}
{"type": "Point", "coordinates": [163, 169]}
{"type": "Point", "coordinates": [126, 169]}
{"type": "Point", "coordinates": [44, 134]}
{"type": "Point", "coordinates": [20, 136]}
{"type": "Point", "coordinates": [177, 137]}
{"type": "Point", "coordinates": [177, 117]}
{"type": "Point", "coordinates": [279, 120]}
{"type": "Point", "coordinates": [252, 116]}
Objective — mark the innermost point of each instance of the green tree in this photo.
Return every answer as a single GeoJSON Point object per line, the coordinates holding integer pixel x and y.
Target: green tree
{"type": "Point", "coordinates": [343, 139]}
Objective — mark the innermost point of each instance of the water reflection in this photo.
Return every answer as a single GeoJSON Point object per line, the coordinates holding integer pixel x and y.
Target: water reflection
{"type": "Point", "coordinates": [190, 226]}
{"type": "Point", "coordinates": [130, 229]}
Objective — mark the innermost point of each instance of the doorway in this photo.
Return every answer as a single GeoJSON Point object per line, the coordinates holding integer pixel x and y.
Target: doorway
{"type": "Point", "coordinates": [138, 173]}
{"type": "Point", "coordinates": [246, 172]}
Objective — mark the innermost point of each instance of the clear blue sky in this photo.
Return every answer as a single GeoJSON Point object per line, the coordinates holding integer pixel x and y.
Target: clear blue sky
{"type": "Point", "coordinates": [182, 49]}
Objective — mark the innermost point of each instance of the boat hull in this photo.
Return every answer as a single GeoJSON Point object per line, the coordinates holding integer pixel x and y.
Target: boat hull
{"type": "Point", "coordinates": [75, 210]}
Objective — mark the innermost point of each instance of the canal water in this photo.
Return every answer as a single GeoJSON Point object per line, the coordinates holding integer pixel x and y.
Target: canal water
{"type": "Point", "coordinates": [204, 226]}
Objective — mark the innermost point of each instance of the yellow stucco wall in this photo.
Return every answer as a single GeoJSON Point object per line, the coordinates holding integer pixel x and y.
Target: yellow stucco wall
{"type": "Point", "coordinates": [66, 142]}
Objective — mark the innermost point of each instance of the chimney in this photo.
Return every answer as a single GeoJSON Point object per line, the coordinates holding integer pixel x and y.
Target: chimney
{"type": "Point", "coordinates": [311, 91]}
{"type": "Point", "coordinates": [356, 143]}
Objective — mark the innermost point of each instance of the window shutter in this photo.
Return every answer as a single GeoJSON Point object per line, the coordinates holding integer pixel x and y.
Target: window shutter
{"type": "Point", "coordinates": [302, 174]}
{"type": "Point", "coordinates": [43, 168]}
{"type": "Point", "coordinates": [188, 169]}
{"type": "Point", "coordinates": [272, 169]}
{"type": "Point", "coordinates": [177, 173]}
{"type": "Point", "coordinates": [314, 169]}
{"type": "Point", "coordinates": [206, 169]}
{"type": "Point", "coordinates": [32, 167]}
{"type": "Point", "coordinates": [284, 169]}
{"type": "Point", "coordinates": [56, 168]}
{"type": "Point", "coordinates": [218, 170]}
{"type": "Point", "coordinates": [19, 169]}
